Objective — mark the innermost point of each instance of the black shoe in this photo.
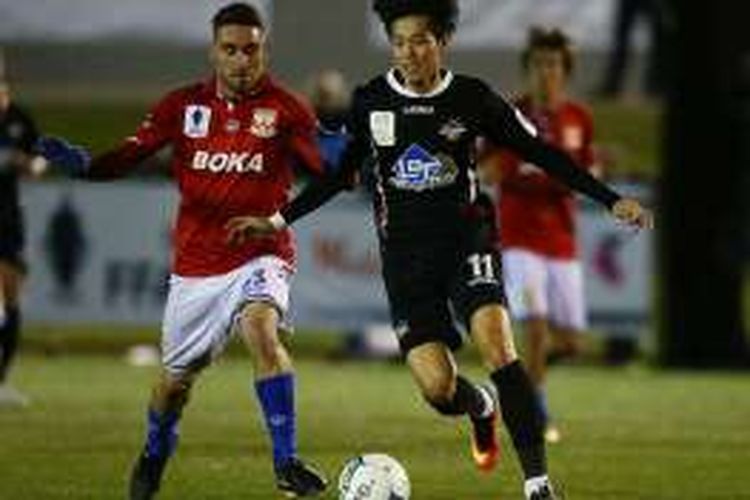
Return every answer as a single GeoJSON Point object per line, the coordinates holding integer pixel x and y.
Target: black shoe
{"type": "Point", "coordinates": [297, 479]}
{"type": "Point", "coordinates": [146, 477]}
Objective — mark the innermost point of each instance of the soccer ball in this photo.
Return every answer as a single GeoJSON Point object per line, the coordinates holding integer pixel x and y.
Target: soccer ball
{"type": "Point", "coordinates": [373, 476]}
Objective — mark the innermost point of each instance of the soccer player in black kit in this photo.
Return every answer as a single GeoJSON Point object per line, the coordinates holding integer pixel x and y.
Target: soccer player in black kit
{"type": "Point", "coordinates": [420, 122]}
{"type": "Point", "coordinates": [18, 135]}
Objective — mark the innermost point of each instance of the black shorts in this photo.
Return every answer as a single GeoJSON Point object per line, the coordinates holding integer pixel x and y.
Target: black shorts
{"type": "Point", "coordinates": [432, 286]}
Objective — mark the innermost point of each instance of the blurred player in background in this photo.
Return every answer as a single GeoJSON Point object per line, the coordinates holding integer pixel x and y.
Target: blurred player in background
{"type": "Point", "coordinates": [329, 96]}
{"type": "Point", "coordinates": [18, 136]}
{"type": "Point", "coordinates": [421, 122]}
{"type": "Point", "coordinates": [536, 212]}
{"type": "Point", "coordinates": [236, 139]}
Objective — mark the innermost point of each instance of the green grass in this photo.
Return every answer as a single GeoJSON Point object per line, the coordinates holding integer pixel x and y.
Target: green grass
{"type": "Point", "coordinates": [630, 433]}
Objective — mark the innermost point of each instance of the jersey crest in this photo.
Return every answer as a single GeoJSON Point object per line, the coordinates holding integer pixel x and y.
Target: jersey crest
{"type": "Point", "coordinates": [264, 124]}
{"type": "Point", "coordinates": [417, 170]}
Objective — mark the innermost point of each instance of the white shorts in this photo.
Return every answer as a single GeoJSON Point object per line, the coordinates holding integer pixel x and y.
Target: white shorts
{"type": "Point", "coordinates": [201, 311]}
{"type": "Point", "coordinates": [545, 288]}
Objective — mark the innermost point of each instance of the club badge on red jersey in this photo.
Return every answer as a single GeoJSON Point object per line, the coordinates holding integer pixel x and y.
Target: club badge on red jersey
{"type": "Point", "coordinates": [197, 121]}
{"type": "Point", "coordinates": [264, 124]}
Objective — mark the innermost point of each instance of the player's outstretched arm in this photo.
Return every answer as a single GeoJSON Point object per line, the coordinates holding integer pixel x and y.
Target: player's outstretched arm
{"type": "Point", "coordinates": [507, 127]}
{"type": "Point", "coordinates": [73, 160]}
{"type": "Point", "coordinates": [316, 194]}
{"type": "Point", "coordinates": [159, 127]}
{"type": "Point", "coordinates": [319, 191]}
{"type": "Point", "coordinates": [557, 163]}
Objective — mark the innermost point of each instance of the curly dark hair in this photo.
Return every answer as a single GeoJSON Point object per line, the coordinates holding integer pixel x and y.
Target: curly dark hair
{"type": "Point", "coordinates": [549, 39]}
{"type": "Point", "coordinates": [443, 14]}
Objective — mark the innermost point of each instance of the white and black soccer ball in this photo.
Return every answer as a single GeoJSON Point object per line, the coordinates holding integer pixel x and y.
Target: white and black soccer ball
{"type": "Point", "coordinates": [374, 476]}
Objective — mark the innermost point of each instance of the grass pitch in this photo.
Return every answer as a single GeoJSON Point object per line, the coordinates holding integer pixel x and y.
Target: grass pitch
{"type": "Point", "coordinates": [629, 433]}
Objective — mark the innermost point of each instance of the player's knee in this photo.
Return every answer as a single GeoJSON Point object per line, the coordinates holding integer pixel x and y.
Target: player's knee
{"type": "Point", "coordinates": [175, 391]}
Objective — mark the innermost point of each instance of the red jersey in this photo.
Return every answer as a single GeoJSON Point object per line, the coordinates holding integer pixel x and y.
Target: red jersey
{"type": "Point", "coordinates": [536, 212]}
{"type": "Point", "coordinates": [230, 158]}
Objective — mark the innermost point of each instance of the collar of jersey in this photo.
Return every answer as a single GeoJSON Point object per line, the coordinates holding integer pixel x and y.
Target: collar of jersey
{"type": "Point", "coordinates": [393, 82]}
{"type": "Point", "coordinates": [212, 86]}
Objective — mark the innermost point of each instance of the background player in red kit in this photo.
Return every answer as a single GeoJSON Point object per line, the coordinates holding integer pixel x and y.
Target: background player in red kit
{"type": "Point", "coordinates": [235, 140]}
{"type": "Point", "coordinates": [543, 276]}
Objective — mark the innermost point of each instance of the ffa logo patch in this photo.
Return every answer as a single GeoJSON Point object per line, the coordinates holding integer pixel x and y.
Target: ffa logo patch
{"type": "Point", "coordinates": [264, 123]}
{"type": "Point", "coordinates": [453, 130]}
{"type": "Point", "coordinates": [383, 128]}
{"type": "Point", "coordinates": [197, 121]}
{"type": "Point", "coordinates": [572, 138]}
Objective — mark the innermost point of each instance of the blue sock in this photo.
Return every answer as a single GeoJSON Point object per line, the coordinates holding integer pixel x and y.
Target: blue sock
{"type": "Point", "coordinates": [276, 395]}
{"type": "Point", "coordinates": [161, 437]}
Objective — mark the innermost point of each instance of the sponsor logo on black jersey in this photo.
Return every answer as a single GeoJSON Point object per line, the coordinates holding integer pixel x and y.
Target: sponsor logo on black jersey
{"type": "Point", "coordinates": [419, 109]}
{"type": "Point", "coordinates": [417, 170]}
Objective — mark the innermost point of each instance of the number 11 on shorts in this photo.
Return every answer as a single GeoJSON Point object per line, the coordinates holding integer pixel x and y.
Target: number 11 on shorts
{"type": "Point", "coordinates": [482, 267]}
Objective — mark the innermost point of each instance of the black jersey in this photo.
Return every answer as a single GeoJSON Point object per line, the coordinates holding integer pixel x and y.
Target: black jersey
{"type": "Point", "coordinates": [423, 149]}
{"type": "Point", "coordinates": [17, 133]}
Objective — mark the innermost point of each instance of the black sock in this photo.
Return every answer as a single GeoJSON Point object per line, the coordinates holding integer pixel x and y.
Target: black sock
{"type": "Point", "coordinates": [522, 417]}
{"type": "Point", "coordinates": [9, 339]}
{"type": "Point", "coordinates": [467, 399]}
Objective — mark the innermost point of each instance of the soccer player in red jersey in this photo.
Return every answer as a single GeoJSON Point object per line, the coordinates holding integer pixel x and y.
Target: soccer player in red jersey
{"type": "Point", "coordinates": [235, 140]}
{"type": "Point", "coordinates": [536, 213]}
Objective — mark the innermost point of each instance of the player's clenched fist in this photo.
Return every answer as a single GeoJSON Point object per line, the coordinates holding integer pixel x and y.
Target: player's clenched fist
{"type": "Point", "coordinates": [629, 211]}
